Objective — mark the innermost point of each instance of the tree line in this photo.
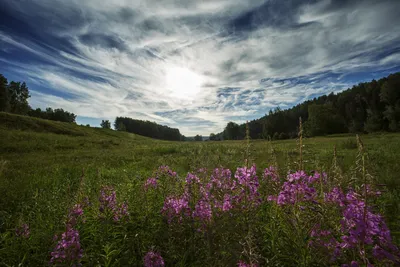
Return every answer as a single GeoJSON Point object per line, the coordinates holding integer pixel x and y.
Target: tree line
{"type": "Point", "coordinates": [367, 107]}
{"type": "Point", "coordinates": [148, 128]}
{"type": "Point", "coordinates": [14, 99]}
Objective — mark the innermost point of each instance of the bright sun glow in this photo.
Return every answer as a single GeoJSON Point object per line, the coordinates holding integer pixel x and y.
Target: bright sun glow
{"type": "Point", "coordinates": [183, 83]}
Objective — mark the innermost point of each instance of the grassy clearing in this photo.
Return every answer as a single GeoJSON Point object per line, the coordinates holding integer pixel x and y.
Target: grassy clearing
{"type": "Point", "coordinates": [46, 167]}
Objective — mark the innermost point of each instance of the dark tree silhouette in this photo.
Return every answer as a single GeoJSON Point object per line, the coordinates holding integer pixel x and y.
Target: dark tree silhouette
{"type": "Point", "coordinates": [366, 107]}
{"type": "Point", "coordinates": [147, 128]}
{"type": "Point", "coordinates": [105, 124]}
{"type": "Point", "coordinates": [198, 138]}
{"type": "Point", "coordinates": [14, 99]}
{"type": "Point", "coordinates": [4, 95]}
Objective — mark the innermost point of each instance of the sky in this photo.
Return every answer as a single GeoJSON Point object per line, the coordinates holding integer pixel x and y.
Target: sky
{"type": "Point", "coordinates": [193, 65]}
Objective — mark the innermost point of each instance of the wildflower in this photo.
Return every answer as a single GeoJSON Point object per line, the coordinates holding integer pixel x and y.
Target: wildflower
{"type": "Point", "coordinates": [272, 173]}
{"type": "Point", "coordinates": [191, 178]}
{"type": "Point", "coordinates": [165, 170]}
{"type": "Point", "coordinates": [121, 212]}
{"type": "Point", "coordinates": [153, 259]}
{"type": "Point", "coordinates": [176, 208]}
{"type": "Point", "coordinates": [335, 196]}
{"type": "Point", "coordinates": [74, 214]}
{"type": "Point", "coordinates": [23, 231]}
{"type": "Point", "coordinates": [109, 204]}
{"type": "Point", "coordinates": [299, 175]}
{"type": "Point", "coordinates": [76, 211]}
{"type": "Point", "coordinates": [296, 189]}
{"type": "Point", "coordinates": [203, 210]}
{"type": "Point", "coordinates": [227, 203]}
{"type": "Point", "coordinates": [150, 183]}
{"type": "Point", "coordinates": [248, 180]}
{"type": "Point", "coordinates": [68, 250]}
{"type": "Point", "coordinates": [370, 191]}
{"type": "Point", "coordinates": [359, 225]}
{"type": "Point", "coordinates": [221, 179]}
{"type": "Point", "coordinates": [316, 177]}
{"type": "Point", "coordinates": [324, 239]}
{"type": "Point", "coordinates": [108, 199]}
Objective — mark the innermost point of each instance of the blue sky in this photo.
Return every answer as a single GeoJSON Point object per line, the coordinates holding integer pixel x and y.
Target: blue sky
{"type": "Point", "coordinates": [194, 65]}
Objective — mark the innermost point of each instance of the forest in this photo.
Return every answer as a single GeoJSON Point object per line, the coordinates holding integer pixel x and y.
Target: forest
{"type": "Point", "coordinates": [365, 108]}
{"type": "Point", "coordinates": [148, 128]}
{"type": "Point", "coordinates": [14, 99]}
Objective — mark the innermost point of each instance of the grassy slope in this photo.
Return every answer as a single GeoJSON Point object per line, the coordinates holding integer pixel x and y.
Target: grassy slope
{"type": "Point", "coordinates": [41, 163]}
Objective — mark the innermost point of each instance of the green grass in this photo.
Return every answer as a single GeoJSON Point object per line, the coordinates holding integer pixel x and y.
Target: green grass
{"type": "Point", "coordinates": [42, 162]}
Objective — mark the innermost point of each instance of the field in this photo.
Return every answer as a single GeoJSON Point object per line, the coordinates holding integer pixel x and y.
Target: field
{"type": "Point", "coordinates": [48, 169]}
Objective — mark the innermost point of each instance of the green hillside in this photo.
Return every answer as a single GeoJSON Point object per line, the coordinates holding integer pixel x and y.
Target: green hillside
{"type": "Point", "coordinates": [22, 134]}
{"type": "Point", "coordinates": [25, 123]}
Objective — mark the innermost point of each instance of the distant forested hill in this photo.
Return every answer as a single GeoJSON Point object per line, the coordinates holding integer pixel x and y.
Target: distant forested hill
{"type": "Point", "coordinates": [367, 107]}
{"type": "Point", "coordinates": [147, 128]}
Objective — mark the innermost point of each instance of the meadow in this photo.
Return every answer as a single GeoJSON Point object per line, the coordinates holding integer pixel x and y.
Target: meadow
{"type": "Point", "coordinates": [74, 195]}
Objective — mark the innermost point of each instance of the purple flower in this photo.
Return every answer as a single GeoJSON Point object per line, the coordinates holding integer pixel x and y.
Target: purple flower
{"type": "Point", "coordinates": [296, 189]}
{"type": "Point", "coordinates": [203, 210]}
{"type": "Point", "coordinates": [359, 225]}
{"type": "Point", "coordinates": [150, 183]}
{"type": "Point", "coordinates": [227, 205]}
{"type": "Point", "coordinates": [176, 208]}
{"type": "Point", "coordinates": [153, 259]}
{"type": "Point", "coordinates": [165, 170]}
{"type": "Point", "coordinates": [68, 250]}
{"type": "Point", "coordinates": [23, 231]}
{"type": "Point", "coordinates": [74, 214]}
{"type": "Point", "coordinates": [248, 181]}
{"type": "Point", "coordinates": [192, 179]}
{"type": "Point", "coordinates": [121, 212]}
{"type": "Point", "coordinates": [316, 177]}
{"type": "Point", "coordinates": [271, 173]}
{"type": "Point", "coordinates": [335, 196]}
{"type": "Point", "coordinates": [222, 179]}
{"type": "Point", "coordinates": [299, 175]}
{"type": "Point", "coordinates": [108, 199]}
{"type": "Point", "coordinates": [371, 191]}
{"type": "Point", "coordinates": [110, 206]}
{"type": "Point", "coordinates": [324, 239]}
{"type": "Point", "coordinates": [76, 211]}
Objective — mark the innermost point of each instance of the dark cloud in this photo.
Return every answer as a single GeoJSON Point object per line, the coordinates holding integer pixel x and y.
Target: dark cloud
{"type": "Point", "coordinates": [21, 25]}
{"type": "Point", "coordinates": [273, 13]}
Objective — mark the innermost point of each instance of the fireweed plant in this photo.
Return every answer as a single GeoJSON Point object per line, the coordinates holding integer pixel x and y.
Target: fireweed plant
{"type": "Point", "coordinates": [223, 217]}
